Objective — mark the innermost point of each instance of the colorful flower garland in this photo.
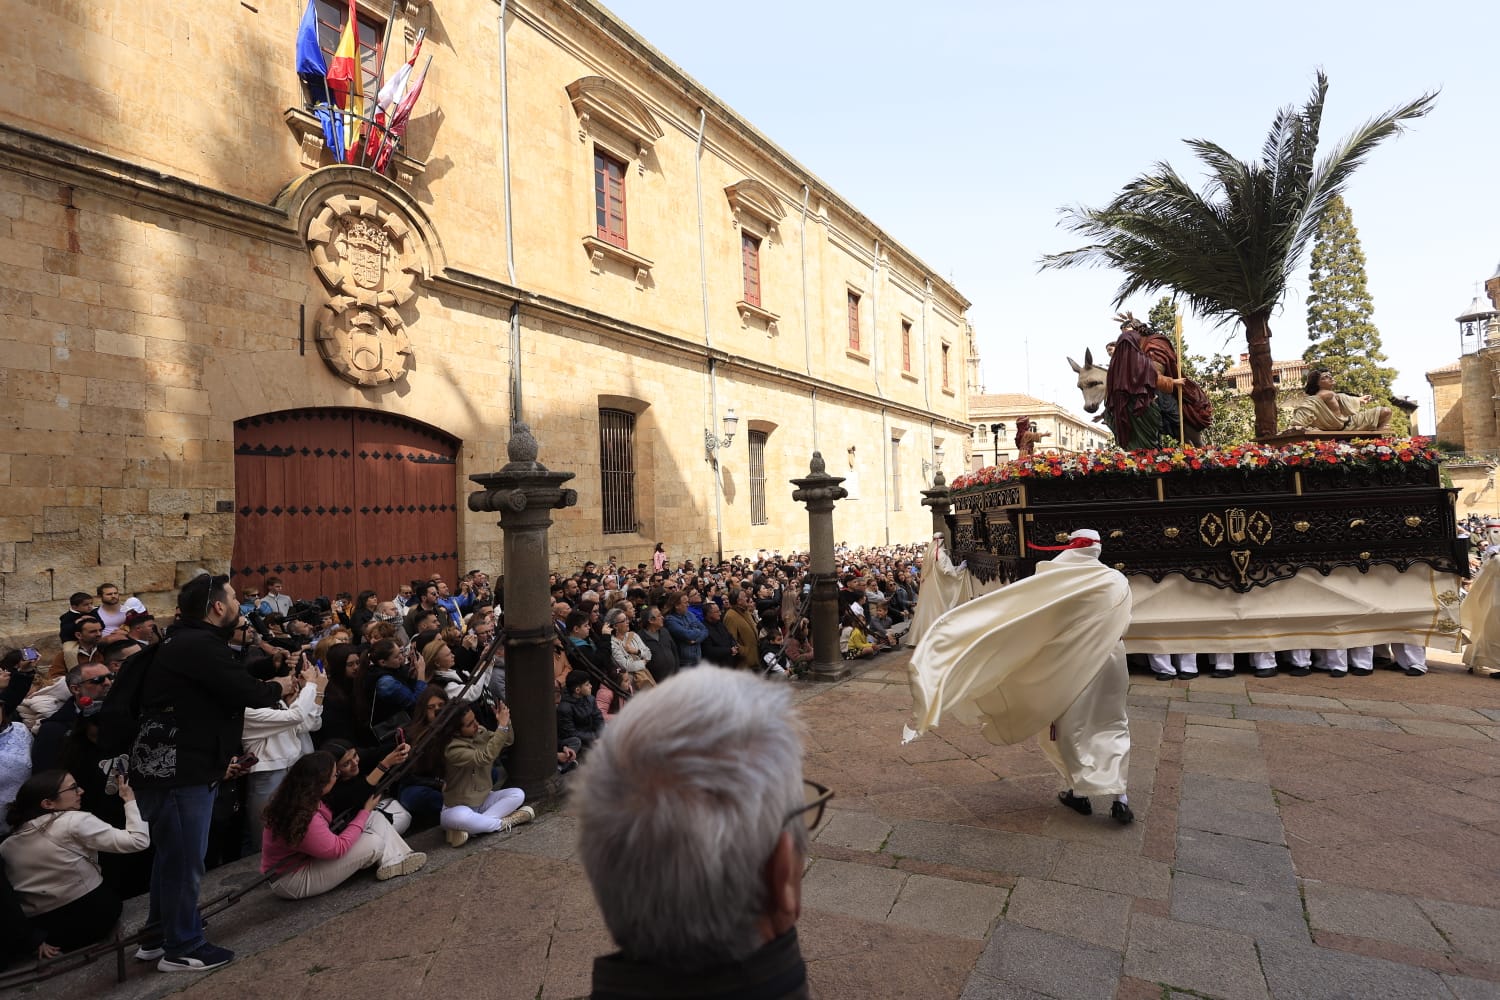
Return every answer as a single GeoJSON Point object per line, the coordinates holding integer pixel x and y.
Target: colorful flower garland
{"type": "Point", "coordinates": [1324, 455]}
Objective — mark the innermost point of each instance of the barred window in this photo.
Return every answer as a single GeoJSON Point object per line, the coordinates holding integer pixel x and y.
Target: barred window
{"type": "Point", "coordinates": [617, 470]}
{"type": "Point", "coordinates": [758, 477]}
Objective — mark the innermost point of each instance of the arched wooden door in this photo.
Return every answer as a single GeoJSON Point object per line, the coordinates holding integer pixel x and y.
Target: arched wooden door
{"type": "Point", "coordinates": [342, 500]}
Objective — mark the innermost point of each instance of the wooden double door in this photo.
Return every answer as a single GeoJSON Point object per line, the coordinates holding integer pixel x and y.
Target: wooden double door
{"type": "Point", "coordinates": [335, 500]}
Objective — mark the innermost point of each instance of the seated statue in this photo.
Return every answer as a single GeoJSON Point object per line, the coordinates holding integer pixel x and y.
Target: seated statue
{"type": "Point", "coordinates": [1327, 410]}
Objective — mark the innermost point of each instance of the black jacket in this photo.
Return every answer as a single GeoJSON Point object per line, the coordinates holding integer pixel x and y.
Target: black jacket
{"type": "Point", "coordinates": [578, 716]}
{"type": "Point", "coordinates": [663, 653]}
{"type": "Point", "coordinates": [193, 708]}
{"type": "Point", "coordinates": [775, 972]}
{"type": "Point", "coordinates": [716, 648]}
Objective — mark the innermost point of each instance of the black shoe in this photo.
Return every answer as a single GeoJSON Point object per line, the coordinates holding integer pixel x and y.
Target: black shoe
{"type": "Point", "coordinates": [1120, 813]}
{"type": "Point", "coordinates": [1361, 671]}
{"type": "Point", "coordinates": [1338, 673]}
{"type": "Point", "coordinates": [1185, 675]}
{"type": "Point", "coordinates": [1266, 672]}
{"type": "Point", "coordinates": [1383, 663]}
{"type": "Point", "coordinates": [1221, 674]}
{"type": "Point", "coordinates": [1078, 803]}
{"type": "Point", "coordinates": [1495, 676]}
{"type": "Point", "coordinates": [1415, 671]}
{"type": "Point", "coordinates": [1300, 671]}
{"type": "Point", "coordinates": [1165, 677]}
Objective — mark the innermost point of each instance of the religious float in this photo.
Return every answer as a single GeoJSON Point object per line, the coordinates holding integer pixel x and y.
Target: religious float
{"type": "Point", "coordinates": [1324, 543]}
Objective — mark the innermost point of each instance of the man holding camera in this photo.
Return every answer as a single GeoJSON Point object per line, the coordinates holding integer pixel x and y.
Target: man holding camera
{"type": "Point", "coordinates": [193, 700]}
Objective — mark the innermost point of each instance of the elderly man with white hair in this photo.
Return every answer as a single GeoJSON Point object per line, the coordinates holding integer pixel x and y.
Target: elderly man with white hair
{"type": "Point", "coordinates": [713, 820]}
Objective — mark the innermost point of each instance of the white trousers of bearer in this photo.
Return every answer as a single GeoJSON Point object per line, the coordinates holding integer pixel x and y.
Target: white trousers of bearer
{"type": "Point", "coordinates": [486, 819]}
{"type": "Point", "coordinates": [1174, 664]}
{"type": "Point", "coordinates": [378, 845]}
{"type": "Point", "coordinates": [1409, 654]}
{"type": "Point", "coordinates": [1358, 657]}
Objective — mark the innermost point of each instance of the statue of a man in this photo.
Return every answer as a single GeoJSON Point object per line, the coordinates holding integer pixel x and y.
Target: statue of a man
{"type": "Point", "coordinates": [1325, 409]}
{"type": "Point", "coordinates": [1027, 436]}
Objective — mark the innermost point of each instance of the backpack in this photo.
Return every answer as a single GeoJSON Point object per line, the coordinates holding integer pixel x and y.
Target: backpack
{"type": "Point", "coordinates": [120, 717]}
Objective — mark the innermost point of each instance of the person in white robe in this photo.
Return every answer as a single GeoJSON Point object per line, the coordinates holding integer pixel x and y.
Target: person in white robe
{"type": "Point", "coordinates": [1479, 617]}
{"type": "Point", "coordinates": [943, 587]}
{"type": "Point", "coordinates": [1043, 656]}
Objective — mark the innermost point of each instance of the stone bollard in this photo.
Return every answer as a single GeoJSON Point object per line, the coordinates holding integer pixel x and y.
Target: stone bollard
{"type": "Point", "coordinates": [939, 500]}
{"type": "Point", "coordinates": [524, 494]}
{"type": "Point", "coordinates": [819, 491]}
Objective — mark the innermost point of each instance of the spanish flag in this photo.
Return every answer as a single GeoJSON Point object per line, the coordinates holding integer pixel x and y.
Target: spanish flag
{"type": "Point", "coordinates": [346, 81]}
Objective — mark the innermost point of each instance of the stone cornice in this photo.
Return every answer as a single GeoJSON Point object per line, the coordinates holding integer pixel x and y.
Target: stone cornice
{"type": "Point", "coordinates": [23, 151]}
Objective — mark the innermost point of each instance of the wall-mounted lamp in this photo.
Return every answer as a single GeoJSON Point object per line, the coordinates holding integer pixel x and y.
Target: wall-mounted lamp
{"type": "Point", "coordinates": [928, 468]}
{"type": "Point", "coordinates": [712, 442]}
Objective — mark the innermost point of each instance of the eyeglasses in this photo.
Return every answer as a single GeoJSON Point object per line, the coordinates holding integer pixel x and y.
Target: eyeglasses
{"type": "Point", "coordinates": [106, 679]}
{"type": "Point", "coordinates": [215, 584]}
{"type": "Point", "coordinates": [816, 797]}
{"type": "Point", "coordinates": [75, 787]}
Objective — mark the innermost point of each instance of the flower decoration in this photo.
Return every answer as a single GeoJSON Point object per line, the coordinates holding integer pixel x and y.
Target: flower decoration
{"type": "Point", "coordinates": [1321, 455]}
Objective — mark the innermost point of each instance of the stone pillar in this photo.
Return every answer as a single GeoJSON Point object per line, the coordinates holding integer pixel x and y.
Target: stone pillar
{"type": "Point", "coordinates": [819, 491]}
{"type": "Point", "coordinates": [524, 494]}
{"type": "Point", "coordinates": [939, 500]}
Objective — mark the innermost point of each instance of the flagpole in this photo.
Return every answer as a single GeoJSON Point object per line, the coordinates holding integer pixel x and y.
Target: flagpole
{"type": "Point", "coordinates": [385, 50]}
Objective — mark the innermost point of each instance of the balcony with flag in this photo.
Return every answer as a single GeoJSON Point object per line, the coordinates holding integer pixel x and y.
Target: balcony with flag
{"type": "Point", "coordinates": [359, 95]}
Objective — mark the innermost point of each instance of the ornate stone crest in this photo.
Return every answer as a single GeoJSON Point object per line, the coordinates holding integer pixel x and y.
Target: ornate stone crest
{"type": "Point", "coordinates": [367, 256]}
{"type": "Point", "coordinates": [365, 344]}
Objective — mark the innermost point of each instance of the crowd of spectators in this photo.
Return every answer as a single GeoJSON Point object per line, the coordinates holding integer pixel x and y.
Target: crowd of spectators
{"type": "Point", "coordinates": [266, 722]}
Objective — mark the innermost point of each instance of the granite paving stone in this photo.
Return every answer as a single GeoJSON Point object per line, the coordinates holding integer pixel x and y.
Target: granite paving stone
{"type": "Point", "coordinates": [1447, 730]}
{"type": "Point", "coordinates": [1472, 930]}
{"type": "Point", "coordinates": [1296, 701]}
{"type": "Point", "coordinates": [1295, 969]}
{"type": "Point", "coordinates": [1052, 965]}
{"type": "Point", "coordinates": [1449, 713]}
{"type": "Point", "coordinates": [1227, 793]}
{"type": "Point", "coordinates": [1492, 714]}
{"type": "Point", "coordinates": [1466, 988]}
{"type": "Point", "coordinates": [983, 987]}
{"type": "Point", "coordinates": [1199, 710]}
{"type": "Point", "coordinates": [1112, 871]}
{"type": "Point", "coordinates": [1368, 723]}
{"type": "Point", "coordinates": [853, 889]}
{"type": "Point", "coordinates": [973, 847]}
{"type": "Point", "coordinates": [1200, 814]}
{"type": "Point", "coordinates": [1225, 761]}
{"type": "Point", "coordinates": [1073, 911]}
{"type": "Point", "coordinates": [1289, 715]}
{"type": "Point", "coordinates": [945, 906]}
{"type": "Point", "coordinates": [1206, 960]}
{"type": "Point", "coordinates": [1209, 696]}
{"type": "Point", "coordinates": [860, 831]}
{"type": "Point", "coordinates": [1216, 718]}
{"type": "Point", "coordinates": [1218, 734]}
{"type": "Point", "coordinates": [1386, 916]}
{"type": "Point", "coordinates": [1390, 709]}
{"type": "Point", "coordinates": [1257, 912]}
{"type": "Point", "coordinates": [1234, 859]}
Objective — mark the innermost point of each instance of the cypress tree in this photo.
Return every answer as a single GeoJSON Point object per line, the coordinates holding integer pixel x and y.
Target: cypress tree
{"type": "Point", "coordinates": [1340, 314]}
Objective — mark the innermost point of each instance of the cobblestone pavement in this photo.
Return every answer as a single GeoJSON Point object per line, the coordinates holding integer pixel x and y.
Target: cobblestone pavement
{"type": "Point", "coordinates": [1295, 837]}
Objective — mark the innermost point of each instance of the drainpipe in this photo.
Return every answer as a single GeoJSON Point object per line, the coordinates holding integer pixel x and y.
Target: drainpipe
{"type": "Point", "coordinates": [926, 364]}
{"type": "Point", "coordinates": [875, 318]}
{"type": "Point", "coordinates": [885, 466]}
{"type": "Point", "coordinates": [510, 234]}
{"type": "Point", "coordinates": [806, 320]}
{"type": "Point", "coordinates": [708, 342]}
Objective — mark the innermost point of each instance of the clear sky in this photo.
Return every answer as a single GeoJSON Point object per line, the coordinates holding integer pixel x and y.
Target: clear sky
{"type": "Point", "coordinates": [961, 128]}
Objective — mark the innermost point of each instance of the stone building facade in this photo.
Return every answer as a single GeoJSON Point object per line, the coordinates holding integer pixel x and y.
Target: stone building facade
{"type": "Point", "coordinates": [219, 349]}
{"type": "Point", "coordinates": [1069, 432]}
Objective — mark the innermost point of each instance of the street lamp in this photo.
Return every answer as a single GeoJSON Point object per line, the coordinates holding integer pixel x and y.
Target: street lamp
{"type": "Point", "coordinates": [928, 468]}
{"type": "Point", "coordinates": [997, 429]}
{"type": "Point", "coordinates": [712, 442]}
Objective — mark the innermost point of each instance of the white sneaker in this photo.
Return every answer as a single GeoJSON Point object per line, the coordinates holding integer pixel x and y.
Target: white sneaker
{"type": "Point", "coordinates": [525, 814]}
{"type": "Point", "coordinates": [411, 863]}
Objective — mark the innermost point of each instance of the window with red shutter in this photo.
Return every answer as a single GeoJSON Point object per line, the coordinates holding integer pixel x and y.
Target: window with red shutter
{"type": "Point", "coordinates": [853, 321]}
{"type": "Point", "coordinates": [946, 351]}
{"type": "Point", "coordinates": [905, 346]}
{"type": "Point", "coordinates": [609, 199]}
{"type": "Point", "coordinates": [750, 265]}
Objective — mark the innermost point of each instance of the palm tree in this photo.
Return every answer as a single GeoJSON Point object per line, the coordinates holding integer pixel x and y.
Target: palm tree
{"type": "Point", "coordinates": [1230, 249]}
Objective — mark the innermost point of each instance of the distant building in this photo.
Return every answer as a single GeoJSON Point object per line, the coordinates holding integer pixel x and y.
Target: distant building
{"type": "Point", "coordinates": [1069, 431]}
{"type": "Point", "coordinates": [1284, 375]}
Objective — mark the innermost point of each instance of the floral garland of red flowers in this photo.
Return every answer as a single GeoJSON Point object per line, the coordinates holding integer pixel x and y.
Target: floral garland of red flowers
{"type": "Point", "coordinates": [1323, 455]}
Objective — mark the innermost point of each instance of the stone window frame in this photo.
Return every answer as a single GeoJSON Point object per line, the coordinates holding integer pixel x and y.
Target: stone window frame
{"type": "Point", "coordinates": [616, 123]}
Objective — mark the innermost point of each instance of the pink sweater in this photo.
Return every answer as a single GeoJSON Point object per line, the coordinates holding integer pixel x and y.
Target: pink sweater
{"type": "Point", "coordinates": [319, 843]}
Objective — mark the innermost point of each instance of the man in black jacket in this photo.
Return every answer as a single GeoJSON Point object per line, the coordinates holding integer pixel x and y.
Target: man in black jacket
{"type": "Point", "coordinates": [192, 714]}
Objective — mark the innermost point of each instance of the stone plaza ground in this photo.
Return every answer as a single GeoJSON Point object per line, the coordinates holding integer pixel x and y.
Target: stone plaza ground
{"type": "Point", "coordinates": [1295, 838]}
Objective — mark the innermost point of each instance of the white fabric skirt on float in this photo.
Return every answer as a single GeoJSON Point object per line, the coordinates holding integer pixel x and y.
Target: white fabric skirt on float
{"type": "Point", "coordinates": [1345, 609]}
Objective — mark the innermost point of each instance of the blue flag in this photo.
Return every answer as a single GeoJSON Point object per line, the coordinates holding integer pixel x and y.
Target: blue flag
{"type": "Point", "coordinates": [312, 68]}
